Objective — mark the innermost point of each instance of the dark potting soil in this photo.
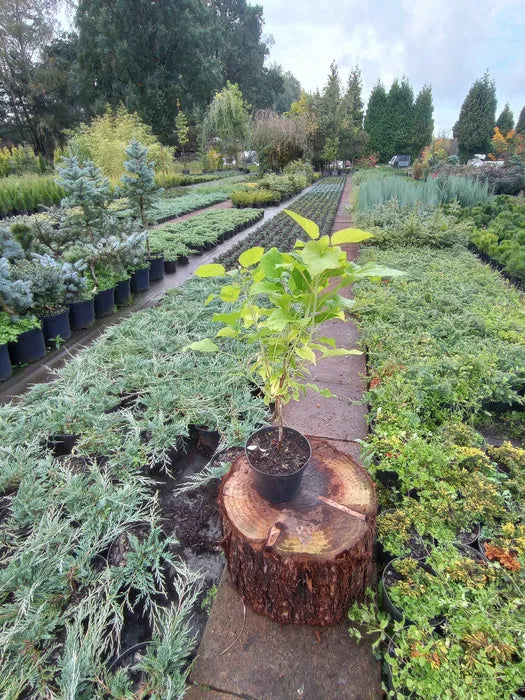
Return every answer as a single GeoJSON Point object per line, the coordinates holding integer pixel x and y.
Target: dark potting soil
{"type": "Point", "coordinates": [468, 537]}
{"type": "Point", "coordinates": [192, 518]}
{"type": "Point", "coordinates": [267, 456]}
{"type": "Point", "coordinates": [417, 547]}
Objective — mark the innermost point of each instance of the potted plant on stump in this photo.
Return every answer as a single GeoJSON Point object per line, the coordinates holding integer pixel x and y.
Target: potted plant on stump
{"type": "Point", "coordinates": [138, 185]}
{"type": "Point", "coordinates": [279, 301]}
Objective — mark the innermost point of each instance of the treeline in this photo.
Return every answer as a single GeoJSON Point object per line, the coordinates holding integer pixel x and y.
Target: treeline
{"type": "Point", "coordinates": [149, 57]}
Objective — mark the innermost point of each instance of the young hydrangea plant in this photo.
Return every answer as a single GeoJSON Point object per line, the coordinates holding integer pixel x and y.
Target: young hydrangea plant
{"type": "Point", "coordinates": [279, 300]}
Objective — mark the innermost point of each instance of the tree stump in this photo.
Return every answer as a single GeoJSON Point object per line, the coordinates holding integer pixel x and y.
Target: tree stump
{"type": "Point", "coordinates": [305, 560]}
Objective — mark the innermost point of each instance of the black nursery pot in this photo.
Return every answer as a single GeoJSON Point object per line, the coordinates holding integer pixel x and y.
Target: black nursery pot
{"type": "Point", "coordinates": [156, 268]}
{"type": "Point", "coordinates": [140, 280]}
{"type": "Point", "coordinates": [277, 488]}
{"type": "Point", "coordinates": [5, 363]}
{"type": "Point", "coordinates": [170, 267]}
{"type": "Point", "coordinates": [183, 260]}
{"type": "Point", "coordinates": [208, 438]}
{"type": "Point", "coordinates": [56, 325]}
{"type": "Point", "coordinates": [28, 347]}
{"type": "Point", "coordinates": [62, 444]}
{"type": "Point", "coordinates": [81, 314]}
{"type": "Point", "coordinates": [104, 302]}
{"type": "Point", "coordinates": [389, 606]}
{"type": "Point", "coordinates": [122, 292]}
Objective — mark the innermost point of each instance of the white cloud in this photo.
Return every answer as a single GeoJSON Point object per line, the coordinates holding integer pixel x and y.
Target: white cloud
{"type": "Point", "coordinates": [447, 44]}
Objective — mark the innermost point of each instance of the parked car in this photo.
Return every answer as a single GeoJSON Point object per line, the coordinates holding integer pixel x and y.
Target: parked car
{"type": "Point", "coordinates": [399, 161]}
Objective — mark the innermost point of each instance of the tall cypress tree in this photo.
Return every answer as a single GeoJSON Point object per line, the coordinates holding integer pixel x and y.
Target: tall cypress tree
{"type": "Point", "coordinates": [477, 117]}
{"type": "Point", "coordinates": [505, 121]}
{"type": "Point", "coordinates": [376, 122]}
{"type": "Point", "coordinates": [352, 140]}
{"type": "Point", "coordinates": [400, 108]}
{"type": "Point", "coordinates": [520, 124]}
{"type": "Point", "coordinates": [330, 105]}
{"type": "Point", "coordinates": [423, 124]}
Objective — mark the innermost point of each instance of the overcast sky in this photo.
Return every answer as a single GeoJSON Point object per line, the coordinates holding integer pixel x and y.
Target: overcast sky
{"type": "Point", "coordinates": [442, 42]}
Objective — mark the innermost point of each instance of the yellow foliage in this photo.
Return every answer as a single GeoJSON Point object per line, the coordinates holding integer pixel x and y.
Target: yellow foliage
{"type": "Point", "coordinates": [105, 140]}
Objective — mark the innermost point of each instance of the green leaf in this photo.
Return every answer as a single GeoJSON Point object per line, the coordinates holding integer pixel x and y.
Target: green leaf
{"type": "Point", "coordinates": [350, 235]}
{"type": "Point", "coordinates": [210, 270]}
{"type": "Point", "coordinates": [306, 353]}
{"type": "Point", "coordinates": [340, 352]}
{"type": "Point", "coordinates": [372, 270]}
{"type": "Point", "coordinates": [251, 256]}
{"type": "Point", "coordinates": [227, 318]}
{"type": "Point", "coordinates": [318, 258]}
{"type": "Point", "coordinates": [269, 262]}
{"type": "Point", "coordinates": [299, 244]}
{"type": "Point", "coordinates": [230, 292]}
{"type": "Point", "coordinates": [278, 320]}
{"type": "Point", "coordinates": [227, 332]}
{"type": "Point", "coordinates": [210, 298]}
{"type": "Point", "coordinates": [204, 345]}
{"type": "Point", "coordinates": [310, 227]}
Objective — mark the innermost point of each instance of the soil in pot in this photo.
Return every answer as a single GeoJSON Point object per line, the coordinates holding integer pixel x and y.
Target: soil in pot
{"type": "Point", "coordinates": [5, 363]}
{"type": "Point", "coordinates": [28, 347]}
{"type": "Point", "coordinates": [469, 537]}
{"type": "Point", "coordinates": [123, 292]}
{"type": "Point", "coordinates": [266, 455]}
{"type": "Point", "coordinates": [56, 326]}
{"type": "Point", "coordinates": [82, 314]}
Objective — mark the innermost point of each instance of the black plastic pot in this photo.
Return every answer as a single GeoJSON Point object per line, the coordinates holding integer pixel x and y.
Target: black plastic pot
{"type": "Point", "coordinates": [5, 363]}
{"type": "Point", "coordinates": [62, 444]}
{"type": "Point", "coordinates": [183, 260]}
{"type": "Point", "coordinates": [387, 477]}
{"type": "Point", "coordinates": [208, 438]}
{"type": "Point", "coordinates": [473, 539]}
{"type": "Point", "coordinates": [28, 347]}
{"type": "Point", "coordinates": [81, 314]}
{"type": "Point", "coordinates": [156, 268]}
{"type": "Point", "coordinates": [170, 267]}
{"type": "Point", "coordinates": [140, 280]}
{"type": "Point", "coordinates": [389, 606]}
{"type": "Point", "coordinates": [122, 292]}
{"type": "Point", "coordinates": [55, 326]}
{"type": "Point", "coordinates": [104, 302]}
{"type": "Point", "coordinates": [277, 488]}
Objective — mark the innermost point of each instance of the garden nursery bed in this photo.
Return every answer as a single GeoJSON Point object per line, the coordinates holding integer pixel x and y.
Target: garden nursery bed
{"type": "Point", "coordinates": [109, 527]}
{"type": "Point", "coordinates": [446, 365]}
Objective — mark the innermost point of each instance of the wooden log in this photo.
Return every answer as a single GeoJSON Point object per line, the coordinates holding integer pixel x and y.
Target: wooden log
{"type": "Point", "coordinates": [305, 560]}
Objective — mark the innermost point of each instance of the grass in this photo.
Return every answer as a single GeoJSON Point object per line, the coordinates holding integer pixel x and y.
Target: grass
{"type": "Point", "coordinates": [376, 191]}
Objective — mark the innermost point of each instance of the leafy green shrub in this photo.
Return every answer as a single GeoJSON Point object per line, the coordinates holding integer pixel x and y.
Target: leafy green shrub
{"type": "Point", "coordinates": [15, 295]}
{"type": "Point", "coordinates": [172, 208]}
{"type": "Point", "coordinates": [300, 167]}
{"type": "Point", "coordinates": [256, 198]}
{"type": "Point", "coordinates": [394, 227]}
{"type": "Point", "coordinates": [501, 235]}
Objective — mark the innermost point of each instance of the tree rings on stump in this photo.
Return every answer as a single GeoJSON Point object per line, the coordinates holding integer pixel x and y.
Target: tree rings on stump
{"type": "Point", "coordinates": [305, 560]}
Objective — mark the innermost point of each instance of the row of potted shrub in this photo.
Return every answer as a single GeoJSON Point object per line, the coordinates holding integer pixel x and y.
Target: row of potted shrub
{"type": "Point", "coordinates": [444, 345]}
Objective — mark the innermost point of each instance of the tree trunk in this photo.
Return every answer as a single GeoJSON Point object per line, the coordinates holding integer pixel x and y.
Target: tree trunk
{"type": "Point", "coordinates": [305, 560]}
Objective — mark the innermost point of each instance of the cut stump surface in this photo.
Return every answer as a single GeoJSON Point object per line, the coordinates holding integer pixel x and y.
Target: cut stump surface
{"type": "Point", "coordinates": [305, 560]}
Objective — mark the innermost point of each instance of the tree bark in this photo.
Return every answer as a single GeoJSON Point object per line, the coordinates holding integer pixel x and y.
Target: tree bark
{"type": "Point", "coordinates": [305, 560]}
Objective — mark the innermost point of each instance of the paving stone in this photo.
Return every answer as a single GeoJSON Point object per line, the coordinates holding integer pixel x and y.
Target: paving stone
{"type": "Point", "coordinates": [334, 418]}
{"type": "Point", "coordinates": [268, 661]}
